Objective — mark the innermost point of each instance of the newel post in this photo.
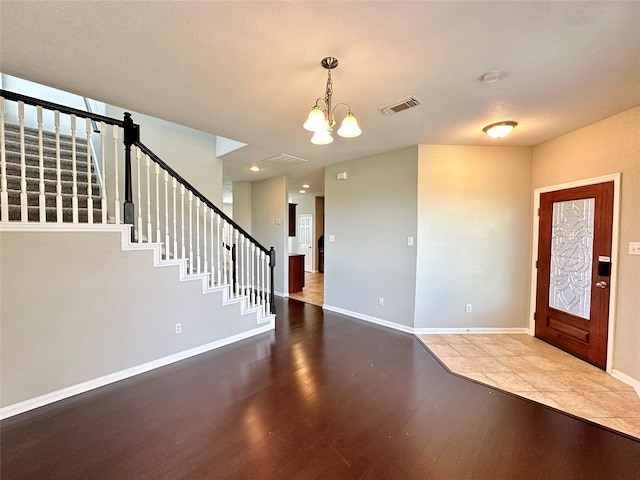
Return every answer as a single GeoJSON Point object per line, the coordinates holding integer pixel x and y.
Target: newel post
{"type": "Point", "coordinates": [272, 266]}
{"type": "Point", "coordinates": [131, 136]}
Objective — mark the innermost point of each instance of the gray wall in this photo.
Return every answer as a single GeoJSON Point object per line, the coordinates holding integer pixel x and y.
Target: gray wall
{"type": "Point", "coordinates": [474, 235]}
{"type": "Point", "coordinates": [609, 146]}
{"type": "Point", "coordinates": [189, 152]}
{"type": "Point", "coordinates": [371, 214]}
{"type": "Point", "coordinates": [268, 206]}
{"type": "Point", "coordinates": [242, 204]}
{"type": "Point", "coordinates": [75, 307]}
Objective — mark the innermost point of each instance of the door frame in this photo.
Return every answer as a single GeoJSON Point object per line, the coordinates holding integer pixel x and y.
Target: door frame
{"type": "Point", "coordinates": [615, 233]}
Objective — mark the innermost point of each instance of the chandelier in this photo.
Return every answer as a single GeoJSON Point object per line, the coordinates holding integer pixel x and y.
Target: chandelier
{"type": "Point", "coordinates": [321, 118]}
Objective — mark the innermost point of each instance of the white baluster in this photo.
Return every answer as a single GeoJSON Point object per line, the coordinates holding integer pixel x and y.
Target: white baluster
{"type": "Point", "coordinates": [182, 220]}
{"type": "Point", "coordinates": [253, 273]}
{"type": "Point", "coordinates": [167, 252]}
{"type": "Point", "coordinates": [175, 219]}
{"type": "Point", "coordinates": [240, 263]}
{"type": "Point", "coordinates": [247, 283]}
{"type": "Point", "coordinates": [148, 165]}
{"type": "Point", "coordinates": [89, 176]}
{"type": "Point", "coordinates": [198, 235]}
{"type": "Point", "coordinates": [246, 268]}
{"type": "Point", "coordinates": [212, 266]}
{"type": "Point", "coordinates": [140, 230]}
{"type": "Point", "coordinates": [205, 265]}
{"type": "Point", "coordinates": [116, 189]}
{"type": "Point", "coordinates": [4, 189]}
{"type": "Point", "coordinates": [225, 253]}
{"type": "Point", "coordinates": [191, 232]}
{"type": "Point", "coordinates": [157, 173]}
{"type": "Point", "coordinates": [74, 171]}
{"type": "Point", "coordinates": [238, 259]}
{"type": "Point", "coordinates": [104, 202]}
{"type": "Point", "coordinates": [24, 207]}
{"type": "Point", "coordinates": [58, 179]}
{"type": "Point", "coordinates": [218, 242]}
{"type": "Point", "coordinates": [41, 197]}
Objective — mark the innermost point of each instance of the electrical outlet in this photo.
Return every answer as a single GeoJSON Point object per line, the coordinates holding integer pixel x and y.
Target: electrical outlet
{"type": "Point", "coordinates": [468, 308]}
{"type": "Point", "coordinates": [178, 328]}
{"type": "Point", "coordinates": [380, 301]}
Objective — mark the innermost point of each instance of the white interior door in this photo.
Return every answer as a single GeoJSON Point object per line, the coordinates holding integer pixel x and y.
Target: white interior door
{"type": "Point", "coordinates": [305, 240]}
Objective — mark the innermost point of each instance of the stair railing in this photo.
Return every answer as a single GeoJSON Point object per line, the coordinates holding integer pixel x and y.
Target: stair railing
{"type": "Point", "coordinates": [169, 210]}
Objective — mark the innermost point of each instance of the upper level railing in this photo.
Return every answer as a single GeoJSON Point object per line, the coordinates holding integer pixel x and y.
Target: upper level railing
{"type": "Point", "coordinates": [49, 175]}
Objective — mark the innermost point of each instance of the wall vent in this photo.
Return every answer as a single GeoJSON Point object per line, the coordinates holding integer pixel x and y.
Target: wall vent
{"type": "Point", "coordinates": [284, 160]}
{"type": "Point", "coordinates": [400, 105]}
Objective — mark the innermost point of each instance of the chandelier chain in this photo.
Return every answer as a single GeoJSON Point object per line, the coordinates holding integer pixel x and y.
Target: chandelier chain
{"type": "Point", "coordinates": [327, 100]}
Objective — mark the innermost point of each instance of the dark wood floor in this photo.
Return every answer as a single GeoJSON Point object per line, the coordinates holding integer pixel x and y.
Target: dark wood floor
{"type": "Point", "coordinates": [325, 397]}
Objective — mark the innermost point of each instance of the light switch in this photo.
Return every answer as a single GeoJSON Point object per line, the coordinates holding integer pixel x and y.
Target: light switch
{"type": "Point", "coordinates": [410, 241]}
{"type": "Point", "coordinates": [634, 248]}
{"type": "Point", "coordinates": [332, 238]}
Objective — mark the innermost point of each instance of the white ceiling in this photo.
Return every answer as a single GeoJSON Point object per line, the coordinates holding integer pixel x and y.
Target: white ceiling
{"type": "Point", "coordinates": [250, 71]}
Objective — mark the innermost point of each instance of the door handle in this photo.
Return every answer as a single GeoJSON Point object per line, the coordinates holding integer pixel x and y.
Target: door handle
{"type": "Point", "coordinates": [602, 284]}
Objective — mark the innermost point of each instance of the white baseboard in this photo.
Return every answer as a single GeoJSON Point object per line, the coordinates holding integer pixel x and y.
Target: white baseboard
{"type": "Point", "coordinates": [477, 331]}
{"type": "Point", "coordinates": [419, 331]}
{"type": "Point", "coordinates": [26, 405]}
{"type": "Point", "coordinates": [632, 382]}
{"type": "Point", "coordinates": [368, 318]}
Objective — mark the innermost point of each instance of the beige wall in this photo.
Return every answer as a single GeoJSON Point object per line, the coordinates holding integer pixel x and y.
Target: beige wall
{"type": "Point", "coordinates": [609, 146]}
{"type": "Point", "coordinates": [474, 230]}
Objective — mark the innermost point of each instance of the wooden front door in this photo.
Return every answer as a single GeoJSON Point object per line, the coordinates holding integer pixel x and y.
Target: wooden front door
{"type": "Point", "coordinates": [574, 264]}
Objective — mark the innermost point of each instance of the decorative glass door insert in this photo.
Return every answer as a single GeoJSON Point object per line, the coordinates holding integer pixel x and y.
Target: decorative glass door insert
{"type": "Point", "coordinates": [572, 256]}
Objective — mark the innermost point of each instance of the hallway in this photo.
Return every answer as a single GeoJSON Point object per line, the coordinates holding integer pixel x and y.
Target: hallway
{"type": "Point", "coordinates": [313, 291]}
{"type": "Point", "coordinates": [325, 396]}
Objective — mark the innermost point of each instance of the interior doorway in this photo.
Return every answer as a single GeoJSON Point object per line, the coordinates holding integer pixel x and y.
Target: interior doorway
{"type": "Point", "coordinates": [305, 240]}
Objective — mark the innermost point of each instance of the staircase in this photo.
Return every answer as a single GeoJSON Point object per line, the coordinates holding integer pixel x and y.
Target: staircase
{"type": "Point", "coordinates": [49, 177]}
{"type": "Point", "coordinates": [58, 246]}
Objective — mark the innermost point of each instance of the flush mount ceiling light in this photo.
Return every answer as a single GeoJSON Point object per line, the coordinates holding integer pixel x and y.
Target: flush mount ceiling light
{"type": "Point", "coordinates": [321, 118]}
{"type": "Point", "coordinates": [254, 169]}
{"type": "Point", "coordinates": [499, 129]}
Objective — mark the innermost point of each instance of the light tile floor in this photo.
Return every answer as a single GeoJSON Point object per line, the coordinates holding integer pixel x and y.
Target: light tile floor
{"type": "Point", "coordinates": [313, 291]}
{"type": "Point", "coordinates": [533, 369]}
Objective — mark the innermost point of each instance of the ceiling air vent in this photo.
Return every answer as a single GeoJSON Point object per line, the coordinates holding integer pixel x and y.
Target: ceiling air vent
{"type": "Point", "coordinates": [284, 160]}
{"type": "Point", "coordinates": [400, 105]}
